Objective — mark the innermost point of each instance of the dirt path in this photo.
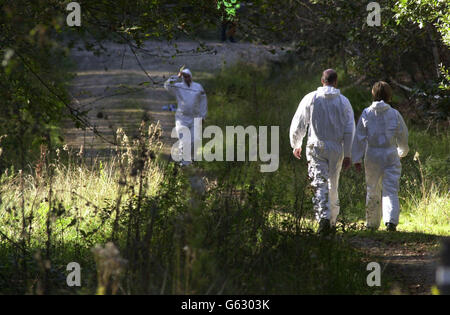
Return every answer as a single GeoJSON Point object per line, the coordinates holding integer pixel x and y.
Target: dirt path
{"type": "Point", "coordinates": [110, 86]}
{"type": "Point", "coordinates": [409, 260]}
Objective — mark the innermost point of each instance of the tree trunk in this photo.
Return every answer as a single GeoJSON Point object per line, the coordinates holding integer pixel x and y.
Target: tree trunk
{"type": "Point", "coordinates": [435, 50]}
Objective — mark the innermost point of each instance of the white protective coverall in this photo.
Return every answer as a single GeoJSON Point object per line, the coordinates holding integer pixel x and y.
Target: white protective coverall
{"type": "Point", "coordinates": [330, 118]}
{"type": "Point", "coordinates": [192, 103]}
{"type": "Point", "coordinates": [382, 137]}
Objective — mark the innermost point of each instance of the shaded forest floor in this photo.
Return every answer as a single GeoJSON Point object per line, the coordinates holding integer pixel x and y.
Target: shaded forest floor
{"type": "Point", "coordinates": [408, 259]}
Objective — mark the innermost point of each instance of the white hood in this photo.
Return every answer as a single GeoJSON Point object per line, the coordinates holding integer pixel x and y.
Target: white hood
{"type": "Point", "coordinates": [328, 91]}
{"type": "Point", "coordinates": [187, 71]}
{"type": "Point", "coordinates": [379, 107]}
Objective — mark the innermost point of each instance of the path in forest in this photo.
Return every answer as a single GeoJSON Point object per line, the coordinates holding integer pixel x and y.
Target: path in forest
{"type": "Point", "coordinates": [110, 88]}
{"type": "Point", "coordinates": [408, 259]}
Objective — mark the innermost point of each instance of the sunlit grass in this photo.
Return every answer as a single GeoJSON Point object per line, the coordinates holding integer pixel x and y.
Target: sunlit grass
{"type": "Point", "coordinates": [428, 214]}
{"type": "Point", "coordinates": [80, 190]}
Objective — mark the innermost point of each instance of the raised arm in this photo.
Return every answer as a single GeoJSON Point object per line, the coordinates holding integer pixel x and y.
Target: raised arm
{"type": "Point", "coordinates": [402, 137]}
{"type": "Point", "coordinates": [169, 85]}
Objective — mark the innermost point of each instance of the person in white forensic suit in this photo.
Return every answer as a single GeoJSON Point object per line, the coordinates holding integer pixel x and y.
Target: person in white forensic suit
{"type": "Point", "coordinates": [382, 139]}
{"type": "Point", "coordinates": [329, 116]}
{"type": "Point", "coordinates": [192, 103]}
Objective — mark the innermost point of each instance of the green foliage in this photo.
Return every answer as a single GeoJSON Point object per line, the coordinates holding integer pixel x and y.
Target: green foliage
{"type": "Point", "coordinates": [331, 32]}
{"type": "Point", "coordinates": [229, 6]}
{"type": "Point", "coordinates": [33, 79]}
{"type": "Point", "coordinates": [34, 70]}
{"type": "Point", "coordinates": [435, 12]}
{"type": "Point", "coordinates": [36, 41]}
{"type": "Point", "coordinates": [445, 83]}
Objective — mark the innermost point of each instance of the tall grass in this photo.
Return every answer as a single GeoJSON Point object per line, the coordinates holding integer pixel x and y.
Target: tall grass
{"type": "Point", "coordinates": [425, 183]}
{"type": "Point", "coordinates": [57, 210]}
{"type": "Point", "coordinates": [161, 235]}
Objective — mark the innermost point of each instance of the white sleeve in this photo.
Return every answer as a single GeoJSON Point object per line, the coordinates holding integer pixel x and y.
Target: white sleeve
{"type": "Point", "coordinates": [203, 103]}
{"type": "Point", "coordinates": [169, 85]}
{"type": "Point", "coordinates": [300, 122]}
{"type": "Point", "coordinates": [349, 131]}
{"type": "Point", "coordinates": [360, 140]}
{"type": "Point", "coordinates": [402, 137]}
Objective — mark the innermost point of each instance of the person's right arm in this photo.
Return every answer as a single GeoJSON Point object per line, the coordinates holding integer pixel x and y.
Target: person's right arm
{"type": "Point", "coordinates": [402, 137]}
{"type": "Point", "coordinates": [169, 85]}
{"type": "Point", "coordinates": [360, 140]}
{"type": "Point", "coordinates": [300, 122]}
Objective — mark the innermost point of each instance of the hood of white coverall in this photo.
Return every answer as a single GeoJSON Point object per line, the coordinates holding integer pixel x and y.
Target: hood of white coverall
{"type": "Point", "coordinates": [379, 107]}
{"type": "Point", "coordinates": [187, 71]}
{"type": "Point", "coordinates": [328, 91]}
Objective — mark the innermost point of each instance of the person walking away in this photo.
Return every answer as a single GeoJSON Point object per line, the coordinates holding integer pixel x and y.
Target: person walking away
{"type": "Point", "coordinates": [192, 103]}
{"type": "Point", "coordinates": [329, 116]}
{"type": "Point", "coordinates": [382, 139]}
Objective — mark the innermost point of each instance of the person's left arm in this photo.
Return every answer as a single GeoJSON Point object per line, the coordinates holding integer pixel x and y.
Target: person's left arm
{"type": "Point", "coordinates": [402, 137]}
{"type": "Point", "coordinates": [349, 133]}
{"type": "Point", "coordinates": [300, 122]}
